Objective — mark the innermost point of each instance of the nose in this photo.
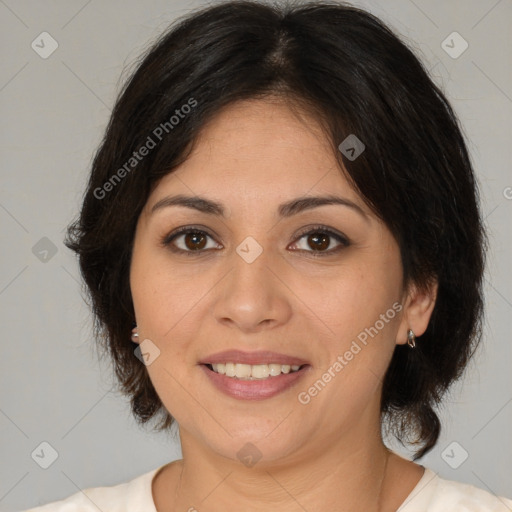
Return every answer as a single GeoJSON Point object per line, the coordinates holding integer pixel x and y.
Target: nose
{"type": "Point", "coordinates": [253, 296]}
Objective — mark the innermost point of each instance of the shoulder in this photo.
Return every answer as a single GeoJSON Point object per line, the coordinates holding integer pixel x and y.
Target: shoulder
{"type": "Point", "coordinates": [436, 494]}
{"type": "Point", "coordinates": [124, 497]}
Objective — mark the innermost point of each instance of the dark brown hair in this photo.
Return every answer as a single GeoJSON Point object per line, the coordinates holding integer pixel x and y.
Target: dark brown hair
{"type": "Point", "coordinates": [349, 71]}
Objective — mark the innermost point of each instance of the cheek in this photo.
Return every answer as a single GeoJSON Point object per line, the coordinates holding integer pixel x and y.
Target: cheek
{"type": "Point", "coordinates": [345, 302]}
{"type": "Point", "coordinates": [356, 316]}
{"type": "Point", "coordinates": [165, 304]}
{"type": "Point", "coordinates": [162, 295]}
{"type": "Point", "coordinates": [356, 325]}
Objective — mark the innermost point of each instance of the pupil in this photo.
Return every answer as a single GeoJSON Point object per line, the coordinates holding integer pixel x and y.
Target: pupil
{"type": "Point", "coordinates": [320, 240]}
{"type": "Point", "coordinates": [192, 239]}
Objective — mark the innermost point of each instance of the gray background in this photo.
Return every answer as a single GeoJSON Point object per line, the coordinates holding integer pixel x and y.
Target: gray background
{"type": "Point", "coordinates": [54, 112]}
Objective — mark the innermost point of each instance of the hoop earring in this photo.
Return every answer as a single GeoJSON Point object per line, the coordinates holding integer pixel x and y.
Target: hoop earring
{"type": "Point", "coordinates": [411, 339]}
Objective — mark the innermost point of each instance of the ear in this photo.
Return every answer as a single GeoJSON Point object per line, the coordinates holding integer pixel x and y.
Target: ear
{"type": "Point", "coordinates": [135, 335]}
{"type": "Point", "coordinates": [418, 307]}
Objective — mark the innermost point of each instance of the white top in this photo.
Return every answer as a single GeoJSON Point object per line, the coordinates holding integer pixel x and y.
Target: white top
{"type": "Point", "coordinates": [431, 494]}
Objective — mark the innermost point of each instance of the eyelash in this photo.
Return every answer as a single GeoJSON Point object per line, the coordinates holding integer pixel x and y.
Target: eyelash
{"type": "Point", "coordinates": [168, 239]}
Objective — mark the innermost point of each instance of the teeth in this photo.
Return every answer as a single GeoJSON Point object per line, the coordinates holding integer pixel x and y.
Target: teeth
{"type": "Point", "coordinates": [275, 369]}
{"type": "Point", "coordinates": [230, 369]}
{"type": "Point", "coordinates": [258, 371]}
{"type": "Point", "coordinates": [252, 372]}
{"type": "Point", "coordinates": [242, 371]}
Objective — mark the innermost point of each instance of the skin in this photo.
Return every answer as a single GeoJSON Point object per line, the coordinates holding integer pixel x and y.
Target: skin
{"type": "Point", "coordinates": [327, 454]}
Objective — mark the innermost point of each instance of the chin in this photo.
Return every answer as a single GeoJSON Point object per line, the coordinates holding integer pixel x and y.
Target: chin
{"type": "Point", "coordinates": [254, 442]}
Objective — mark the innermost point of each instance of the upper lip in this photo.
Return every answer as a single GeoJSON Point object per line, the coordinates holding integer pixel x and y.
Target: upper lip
{"type": "Point", "coordinates": [252, 358]}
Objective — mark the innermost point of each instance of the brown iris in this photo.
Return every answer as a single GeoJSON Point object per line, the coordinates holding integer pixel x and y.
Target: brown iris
{"type": "Point", "coordinates": [318, 241]}
{"type": "Point", "coordinates": [195, 241]}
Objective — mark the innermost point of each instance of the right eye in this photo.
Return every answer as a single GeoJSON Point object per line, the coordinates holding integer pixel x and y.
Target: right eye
{"type": "Point", "coordinates": [188, 240]}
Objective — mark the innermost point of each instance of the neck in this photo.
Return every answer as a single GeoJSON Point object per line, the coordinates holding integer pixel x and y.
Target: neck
{"type": "Point", "coordinates": [345, 477]}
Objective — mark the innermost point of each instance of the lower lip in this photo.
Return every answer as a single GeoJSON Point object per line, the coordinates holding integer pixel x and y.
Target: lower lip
{"type": "Point", "coordinates": [254, 389]}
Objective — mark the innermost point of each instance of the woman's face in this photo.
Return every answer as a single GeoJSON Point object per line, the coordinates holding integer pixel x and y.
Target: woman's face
{"type": "Point", "coordinates": [319, 286]}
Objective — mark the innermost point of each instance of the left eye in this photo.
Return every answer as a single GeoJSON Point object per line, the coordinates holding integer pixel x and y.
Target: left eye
{"type": "Point", "coordinates": [320, 240]}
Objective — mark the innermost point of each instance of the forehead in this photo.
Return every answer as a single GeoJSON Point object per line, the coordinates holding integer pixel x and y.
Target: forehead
{"type": "Point", "coordinates": [261, 149]}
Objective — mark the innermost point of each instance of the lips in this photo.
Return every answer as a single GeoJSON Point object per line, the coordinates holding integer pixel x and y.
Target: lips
{"type": "Point", "coordinates": [252, 358]}
{"type": "Point", "coordinates": [259, 389]}
{"type": "Point", "coordinates": [253, 389]}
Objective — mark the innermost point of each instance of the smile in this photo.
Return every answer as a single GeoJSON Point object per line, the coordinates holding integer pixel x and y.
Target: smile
{"type": "Point", "coordinates": [241, 381]}
{"type": "Point", "coordinates": [252, 372]}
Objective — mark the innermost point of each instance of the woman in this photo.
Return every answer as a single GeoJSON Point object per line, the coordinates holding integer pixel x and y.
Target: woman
{"type": "Point", "coordinates": [283, 219]}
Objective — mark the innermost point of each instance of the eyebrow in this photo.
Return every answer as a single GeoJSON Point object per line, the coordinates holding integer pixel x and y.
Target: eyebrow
{"type": "Point", "coordinates": [288, 209]}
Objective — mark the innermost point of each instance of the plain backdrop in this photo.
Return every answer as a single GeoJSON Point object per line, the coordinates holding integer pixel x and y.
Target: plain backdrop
{"type": "Point", "coordinates": [54, 111]}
